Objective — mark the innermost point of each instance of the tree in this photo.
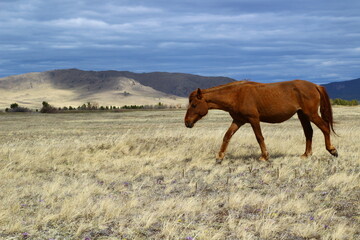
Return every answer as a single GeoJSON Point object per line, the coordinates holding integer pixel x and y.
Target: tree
{"type": "Point", "coordinates": [14, 105]}
{"type": "Point", "coordinates": [45, 104]}
{"type": "Point", "coordinates": [16, 108]}
{"type": "Point", "coordinates": [47, 108]}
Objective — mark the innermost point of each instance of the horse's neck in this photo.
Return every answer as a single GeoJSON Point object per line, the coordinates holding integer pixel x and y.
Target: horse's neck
{"type": "Point", "coordinates": [219, 100]}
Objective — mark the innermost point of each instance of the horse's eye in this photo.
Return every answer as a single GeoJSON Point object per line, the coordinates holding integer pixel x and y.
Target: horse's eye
{"type": "Point", "coordinates": [193, 105]}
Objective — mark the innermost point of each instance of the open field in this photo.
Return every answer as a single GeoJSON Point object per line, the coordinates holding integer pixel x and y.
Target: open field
{"type": "Point", "coordinates": [143, 175]}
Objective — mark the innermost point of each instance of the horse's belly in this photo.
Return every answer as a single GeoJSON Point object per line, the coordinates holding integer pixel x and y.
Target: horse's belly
{"type": "Point", "coordinates": [276, 118]}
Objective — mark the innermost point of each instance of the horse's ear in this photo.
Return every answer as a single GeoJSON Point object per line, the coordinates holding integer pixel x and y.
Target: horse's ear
{"type": "Point", "coordinates": [199, 94]}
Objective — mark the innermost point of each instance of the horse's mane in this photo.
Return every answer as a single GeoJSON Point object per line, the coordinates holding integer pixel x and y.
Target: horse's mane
{"type": "Point", "coordinates": [221, 87]}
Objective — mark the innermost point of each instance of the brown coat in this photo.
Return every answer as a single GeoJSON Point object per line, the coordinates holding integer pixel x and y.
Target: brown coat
{"type": "Point", "coordinates": [251, 102]}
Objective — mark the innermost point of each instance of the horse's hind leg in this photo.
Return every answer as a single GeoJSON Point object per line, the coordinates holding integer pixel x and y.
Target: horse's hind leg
{"type": "Point", "coordinates": [255, 124]}
{"type": "Point", "coordinates": [305, 123]}
{"type": "Point", "coordinates": [324, 127]}
{"type": "Point", "coordinates": [230, 132]}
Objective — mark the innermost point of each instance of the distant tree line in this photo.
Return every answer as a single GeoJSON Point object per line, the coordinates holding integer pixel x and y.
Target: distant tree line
{"type": "Point", "coordinates": [157, 106]}
{"type": "Point", "coordinates": [16, 108]}
{"type": "Point", "coordinates": [339, 101]}
{"type": "Point", "coordinates": [47, 108]}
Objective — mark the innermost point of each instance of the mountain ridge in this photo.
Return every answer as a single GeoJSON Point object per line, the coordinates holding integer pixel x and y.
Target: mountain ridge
{"type": "Point", "coordinates": [348, 90]}
{"type": "Point", "coordinates": [65, 87]}
{"type": "Point", "coordinates": [179, 84]}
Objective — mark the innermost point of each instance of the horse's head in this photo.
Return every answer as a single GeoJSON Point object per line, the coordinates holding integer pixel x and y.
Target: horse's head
{"type": "Point", "coordinates": [197, 108]}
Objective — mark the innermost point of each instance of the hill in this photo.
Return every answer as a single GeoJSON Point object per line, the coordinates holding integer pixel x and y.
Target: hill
{"type": "Point", "coordinates": [178, 84]}
{"type": "Point", "coordinates": [75, 87]}
{"type": "Point", "coordinates": [348, 90]}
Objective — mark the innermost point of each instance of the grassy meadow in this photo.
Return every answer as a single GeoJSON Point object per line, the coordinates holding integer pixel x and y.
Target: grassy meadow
{"type": "Point", "coordinates": [143, 175]}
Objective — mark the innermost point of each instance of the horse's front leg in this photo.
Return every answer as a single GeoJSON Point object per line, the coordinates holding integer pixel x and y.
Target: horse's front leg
{"type": "Point", "coordinates": [255, 124]}
{"type": "Point", "coordinates": [230, 132]}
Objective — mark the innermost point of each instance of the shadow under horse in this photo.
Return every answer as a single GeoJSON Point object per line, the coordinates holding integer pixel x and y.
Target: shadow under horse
{"type": "Point", "coordinates": [252, 102]}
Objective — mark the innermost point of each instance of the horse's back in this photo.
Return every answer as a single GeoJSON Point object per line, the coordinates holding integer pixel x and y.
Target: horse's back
{"type": "Point", "coordinates": [277, 102]}
{"type": "Point", "coordinates": [289, 90]}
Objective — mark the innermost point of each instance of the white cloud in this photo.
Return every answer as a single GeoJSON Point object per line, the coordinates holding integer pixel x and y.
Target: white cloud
{"type": "Point", "coordinates": [116, 46]}
{"type": "Point", "coordinates": [12, 47]}
{"type": "Point", "coordinates": [179, 45]}
{"type": "Point", "coordinates": [329, 63]}
{"type": "Point", "coordinates": [134, 9]}
{"type": "Point", "coordinates": [79, 23]}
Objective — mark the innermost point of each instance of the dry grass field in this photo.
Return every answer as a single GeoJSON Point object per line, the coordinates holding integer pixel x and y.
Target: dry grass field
{"type": "Point", "coordinates": [143, 175]}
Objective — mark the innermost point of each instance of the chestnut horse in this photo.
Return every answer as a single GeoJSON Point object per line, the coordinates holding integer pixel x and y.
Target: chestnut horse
{"type": "Point", "coordinates": [251, 102]}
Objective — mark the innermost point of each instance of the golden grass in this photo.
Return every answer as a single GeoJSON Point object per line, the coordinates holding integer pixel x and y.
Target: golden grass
{"type": "Point", "coordinates": [143, 175]}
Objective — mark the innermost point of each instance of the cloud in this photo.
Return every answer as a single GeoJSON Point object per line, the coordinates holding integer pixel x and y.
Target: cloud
{"type": "Point", "coordinates": [241, 39]}
{"type": "Point", "coordinates": [79, 23]}
{"type": "Point", "coordinates": [173, 45]}
{"type": "Point", "coordinates": [129, 10]}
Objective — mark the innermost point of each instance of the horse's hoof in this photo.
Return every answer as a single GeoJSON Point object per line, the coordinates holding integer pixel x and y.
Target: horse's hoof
{"type": "Point", "coordinates": [306, 155]}
{"type": "Point", "coordinates": [219, 157]}
{"type": "Point", "coordinates": [334, 152]}
{"type": "Point", "coordinates": [263, 159]}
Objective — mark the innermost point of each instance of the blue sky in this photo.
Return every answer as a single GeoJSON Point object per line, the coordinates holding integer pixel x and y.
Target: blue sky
{"type": "Point", "coordinates": [261, 40]}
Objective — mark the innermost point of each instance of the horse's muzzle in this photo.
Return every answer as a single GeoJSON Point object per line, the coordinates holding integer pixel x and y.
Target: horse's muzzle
{"type": "Point", "coordinates": [189, 124]}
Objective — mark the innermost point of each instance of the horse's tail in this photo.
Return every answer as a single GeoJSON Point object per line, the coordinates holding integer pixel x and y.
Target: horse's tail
{"type": "Point", "coordinates": [325, 108]}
